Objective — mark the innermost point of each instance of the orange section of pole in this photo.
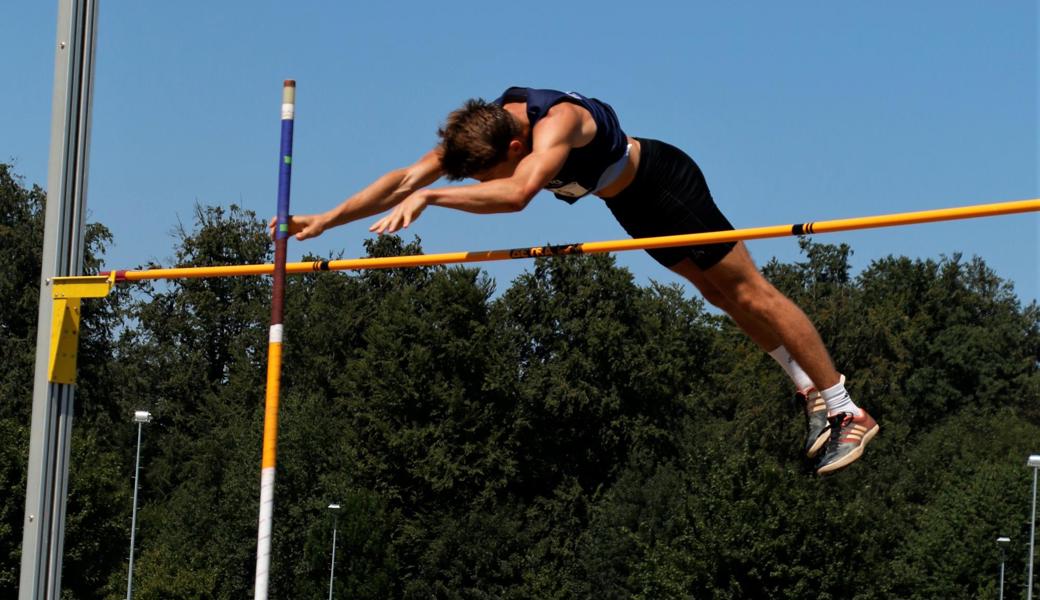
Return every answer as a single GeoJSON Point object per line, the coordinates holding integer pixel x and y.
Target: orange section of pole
{"type": "Point", "coordinates": [889, 220]}
{"type": "Point", "coordinates": [274, 384]}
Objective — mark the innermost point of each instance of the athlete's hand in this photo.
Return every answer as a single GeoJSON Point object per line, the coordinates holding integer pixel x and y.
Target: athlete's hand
{"type": "Point", "coordinates": [301, 226]}
{"type": "Point", "coordinates": [403, 215]}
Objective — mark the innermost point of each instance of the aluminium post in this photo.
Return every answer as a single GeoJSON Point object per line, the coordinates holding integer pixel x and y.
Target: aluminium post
{"type": "Point", "coordinates": [63, 241]}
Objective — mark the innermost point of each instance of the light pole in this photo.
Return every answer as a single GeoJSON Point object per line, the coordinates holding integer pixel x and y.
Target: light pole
{"type": "Point", "coordinates": [1034, 463]}
{"type": "Point", "coordinates": [332, 570]}
{"type": "Point", "coordinates": [140, 417]}
{"type": "Point", "coordinates": [1002, 543]}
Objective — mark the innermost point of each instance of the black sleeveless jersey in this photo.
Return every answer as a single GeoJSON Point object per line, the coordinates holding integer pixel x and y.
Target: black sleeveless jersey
{"type": "Point", "coordinates": [588, 168]}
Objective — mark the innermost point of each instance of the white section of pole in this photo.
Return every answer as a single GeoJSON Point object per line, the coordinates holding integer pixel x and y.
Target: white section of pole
{"type": "Point", "coordinates": [263, 538]}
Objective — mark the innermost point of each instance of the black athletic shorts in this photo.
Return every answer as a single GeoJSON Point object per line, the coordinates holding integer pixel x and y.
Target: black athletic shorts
{"type": "Point", "coordinates": [669, 197]}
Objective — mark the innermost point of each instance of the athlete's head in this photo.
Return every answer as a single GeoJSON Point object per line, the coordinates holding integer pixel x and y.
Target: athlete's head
{"type": "Point", "coordinates": [476, 139]}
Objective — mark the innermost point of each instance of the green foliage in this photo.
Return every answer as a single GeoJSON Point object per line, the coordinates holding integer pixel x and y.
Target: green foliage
{"type": "Point", "coordinates": [575, 436]}
{"type": "Point", "coordinates": [90, 524]}
{"type": "Point", "coordinates": [14, 455]}
{"type": "Point", "coordinates": [21, 237]}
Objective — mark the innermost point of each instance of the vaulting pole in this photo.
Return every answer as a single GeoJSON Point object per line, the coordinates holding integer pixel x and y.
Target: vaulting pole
{"type": "Point", "coordinates": [274, 347]}
{"type": "Point", "coordinates": [754, 233]}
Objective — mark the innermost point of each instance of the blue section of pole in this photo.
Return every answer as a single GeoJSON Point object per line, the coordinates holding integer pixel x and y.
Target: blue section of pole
{"type": "Point", "coordinates": [284, 179]}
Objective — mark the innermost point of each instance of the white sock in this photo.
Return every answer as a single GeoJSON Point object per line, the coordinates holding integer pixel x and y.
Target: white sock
{"type": "Point", "coordinates": [839, 401]}
{"type": "Point", "coordinates": [794, 370]}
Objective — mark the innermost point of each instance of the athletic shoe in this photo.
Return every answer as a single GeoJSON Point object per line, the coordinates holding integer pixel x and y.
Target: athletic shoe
{"type": "Point", "coordinates": [849, 436]}
{"type": "Point", "coordinates": [816, 424]}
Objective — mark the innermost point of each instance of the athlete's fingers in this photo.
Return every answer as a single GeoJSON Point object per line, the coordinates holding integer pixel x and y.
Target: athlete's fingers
{"type": "Point", "coordinates": [396, 218]}
{"type": "Point", "coordinates": [308, 228]}
{"type": "Point", "coordinates": [379, 226]}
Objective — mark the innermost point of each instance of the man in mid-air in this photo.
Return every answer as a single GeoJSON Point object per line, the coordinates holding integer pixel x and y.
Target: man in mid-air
{"type": "Point", "coordinates": [531, 139]}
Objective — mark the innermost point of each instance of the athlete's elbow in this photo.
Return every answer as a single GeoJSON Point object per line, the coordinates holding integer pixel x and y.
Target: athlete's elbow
{"type": "Point", "coordinates": [518, 204]}
{"type": "Point", "coordinates": [521, 198]}
{"type": "Point", "coordinates": [407, 181]}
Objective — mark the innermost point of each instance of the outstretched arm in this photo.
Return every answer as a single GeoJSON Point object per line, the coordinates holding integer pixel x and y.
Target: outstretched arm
{"type": "Point", "coordinates": [554, 137]}
{"type": "Point", "coordinates": [382, 194]}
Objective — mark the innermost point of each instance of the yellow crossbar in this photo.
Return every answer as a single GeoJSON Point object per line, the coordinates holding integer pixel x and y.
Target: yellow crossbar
{"type": "Point", "coordinates": [889, 220]}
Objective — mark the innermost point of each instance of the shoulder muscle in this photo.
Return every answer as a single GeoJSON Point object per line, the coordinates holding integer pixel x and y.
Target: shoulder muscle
{"type": "Point", "coordinates": [563, 124]}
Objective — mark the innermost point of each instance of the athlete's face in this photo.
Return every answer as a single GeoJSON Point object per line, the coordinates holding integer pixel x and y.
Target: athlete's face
{"type": "Point", "coordinates": [505, 169]}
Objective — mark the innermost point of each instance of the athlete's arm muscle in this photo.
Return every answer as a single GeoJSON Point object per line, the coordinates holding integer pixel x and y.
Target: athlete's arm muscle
{"type": "Point", "coordinates": [553, 137]}
{"type": "Point", "coordinates": [383, 193]}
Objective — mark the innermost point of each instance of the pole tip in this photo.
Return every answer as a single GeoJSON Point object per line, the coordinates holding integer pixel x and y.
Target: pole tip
{"type": "Point", "coordinates": [289, 83]}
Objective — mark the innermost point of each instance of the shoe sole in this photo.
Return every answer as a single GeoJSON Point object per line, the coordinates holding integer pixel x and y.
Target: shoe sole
{"type": "Point", "coordinates": [851, 457]}
{"type": "Point", "coordinates": [820, 442]}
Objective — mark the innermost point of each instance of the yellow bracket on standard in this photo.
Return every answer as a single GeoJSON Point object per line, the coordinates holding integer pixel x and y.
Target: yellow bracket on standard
{"type": "Point", "coordinates": [67, 293]}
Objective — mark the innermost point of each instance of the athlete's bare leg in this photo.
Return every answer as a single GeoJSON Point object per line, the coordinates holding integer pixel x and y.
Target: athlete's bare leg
{"type": "Point", "coordinates": [768, 317]}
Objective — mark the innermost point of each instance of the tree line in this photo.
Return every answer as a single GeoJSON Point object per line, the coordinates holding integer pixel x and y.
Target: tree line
{"type": "Point", "coordinates": [572, 435]}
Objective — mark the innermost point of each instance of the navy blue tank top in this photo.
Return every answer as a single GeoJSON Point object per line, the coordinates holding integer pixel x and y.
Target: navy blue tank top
{"type": "Point", "coordinates": [590, 167]}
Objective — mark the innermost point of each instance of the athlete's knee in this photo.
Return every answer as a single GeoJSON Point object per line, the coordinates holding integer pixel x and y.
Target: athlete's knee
{"type": "Point", "coordinates": [757, 296]}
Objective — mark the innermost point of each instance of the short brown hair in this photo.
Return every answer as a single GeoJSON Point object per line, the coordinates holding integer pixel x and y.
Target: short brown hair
{"type": "Point", "coordinates": [475, 138]}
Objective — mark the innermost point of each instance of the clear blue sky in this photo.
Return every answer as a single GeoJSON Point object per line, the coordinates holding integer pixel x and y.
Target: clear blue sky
{"type": "Point", "coordinates": [796, 111]}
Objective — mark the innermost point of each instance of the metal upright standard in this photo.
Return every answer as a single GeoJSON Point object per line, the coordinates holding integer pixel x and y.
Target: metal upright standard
{"type": "Point", "coordinates": [274, 346]}
{"type": "Point", "coordinates": [48, 470]}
